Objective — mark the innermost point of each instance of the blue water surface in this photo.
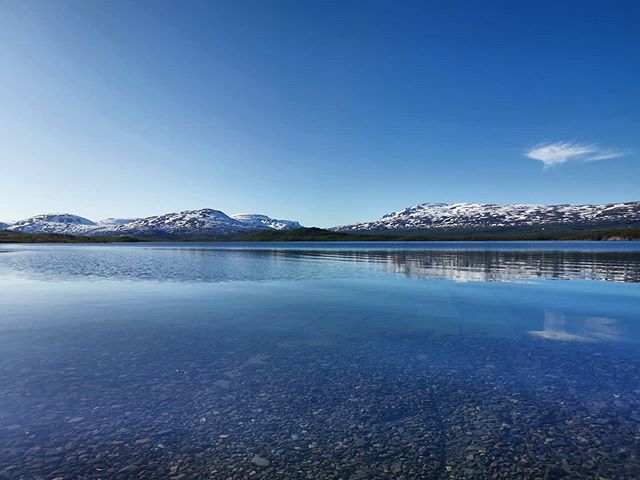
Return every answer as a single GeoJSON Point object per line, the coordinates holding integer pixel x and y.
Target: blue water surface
{"type": "Point", "coordinates": [320, 360]}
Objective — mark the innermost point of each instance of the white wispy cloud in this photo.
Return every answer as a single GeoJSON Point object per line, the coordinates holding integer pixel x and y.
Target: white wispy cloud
{"type": "Point", "coordinates": [557, 153]}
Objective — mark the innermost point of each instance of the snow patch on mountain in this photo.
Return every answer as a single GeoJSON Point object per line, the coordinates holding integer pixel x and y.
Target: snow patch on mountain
{"type": "Point", "coordinates": [116, 221]}
{"type": "Point", "coordinates": [482, 215]}
{"type": "Point", "coordinates": [262, 221]}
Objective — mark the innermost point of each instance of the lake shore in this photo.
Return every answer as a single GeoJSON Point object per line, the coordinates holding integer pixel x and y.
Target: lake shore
{"type": "Point", "coordinates": [322, 235]}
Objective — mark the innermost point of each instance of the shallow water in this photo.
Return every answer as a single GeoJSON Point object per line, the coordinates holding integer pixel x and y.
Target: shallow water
{"type": "Point", "coordinates": [320, 360]}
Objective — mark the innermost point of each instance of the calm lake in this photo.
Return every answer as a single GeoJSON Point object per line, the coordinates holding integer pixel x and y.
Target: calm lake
{"type": "Point", "coordinates": [320, 360]}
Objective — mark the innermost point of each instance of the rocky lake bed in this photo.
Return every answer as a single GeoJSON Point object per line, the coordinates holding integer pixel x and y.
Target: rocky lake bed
{"type": "Point", "coordinates": [356, 365]}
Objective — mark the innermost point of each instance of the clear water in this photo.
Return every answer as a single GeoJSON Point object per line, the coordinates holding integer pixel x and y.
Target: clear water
{"type": "Point", "coordinates": [320, 360]}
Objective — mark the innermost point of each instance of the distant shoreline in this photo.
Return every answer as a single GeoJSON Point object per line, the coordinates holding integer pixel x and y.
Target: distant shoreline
{"type": "Point", "coordinates": [322, 235]}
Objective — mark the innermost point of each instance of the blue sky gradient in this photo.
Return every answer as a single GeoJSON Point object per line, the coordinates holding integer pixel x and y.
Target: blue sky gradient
{"type": "Point", "coordinates": [326, 112]}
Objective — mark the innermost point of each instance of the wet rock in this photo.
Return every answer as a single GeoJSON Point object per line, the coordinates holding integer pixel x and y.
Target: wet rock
{"type": "Point", "coordinates": [260, 461]}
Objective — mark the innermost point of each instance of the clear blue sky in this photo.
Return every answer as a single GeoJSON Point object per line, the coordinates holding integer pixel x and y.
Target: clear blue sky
{"type": "Point", "coordinates": [327, 112]}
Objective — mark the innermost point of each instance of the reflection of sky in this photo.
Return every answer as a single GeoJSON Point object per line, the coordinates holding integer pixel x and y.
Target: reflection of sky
{"type": "Point", "coordinates": [179, 263]}
{"type": "Point", "coordinates": [331, 293]}
{"type": "Point", "coordinates": [584, 329]}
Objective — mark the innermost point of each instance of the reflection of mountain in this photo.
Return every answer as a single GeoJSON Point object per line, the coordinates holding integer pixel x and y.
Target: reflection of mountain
{"type": "Point", "coordinates": [500, 266]}
{"type": "Point", "coordinates": [226, 262]}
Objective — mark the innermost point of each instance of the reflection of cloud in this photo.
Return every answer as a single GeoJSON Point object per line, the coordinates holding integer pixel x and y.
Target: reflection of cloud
{"type": "Point", "coordinates": [559, 335]}
{"type": "Point", "coordinates": [594, 329]}
{"type": "Point", "coordinates": [603, 328]}
{"type": "Point", "coordinates": [554, 329]}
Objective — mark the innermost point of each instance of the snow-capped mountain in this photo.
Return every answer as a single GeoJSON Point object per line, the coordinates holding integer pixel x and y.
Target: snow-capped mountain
{"type": "Point", "coordinates": [204, 222]}
{"type": "Point", "coordinates": [54, 223]}
{"type": "Point", "coordinates": [262, 221]}
{"type": "Point", "coordinates": [482, 215]}
{"type": "Point", "coordinates": [116, 221]}
{"type": "Point", "coordinates": [191, 222]}
{"type": "Point", "coordinates": [3, 225]}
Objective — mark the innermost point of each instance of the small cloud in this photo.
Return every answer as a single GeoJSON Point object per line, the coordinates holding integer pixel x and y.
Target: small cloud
{"type": "Point", "coordinates": [557, 153]}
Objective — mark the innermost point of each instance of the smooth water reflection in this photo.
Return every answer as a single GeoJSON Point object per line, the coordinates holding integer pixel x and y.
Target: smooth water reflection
{"type": "Point", "coordinates": [497, 360]}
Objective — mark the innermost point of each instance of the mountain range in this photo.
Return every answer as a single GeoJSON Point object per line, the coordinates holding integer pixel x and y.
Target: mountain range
{"type": "Point", "coordinates": [206, 221]}
{"type": "Point", "coordinates": [485, 216]}
{"type": "Point", "coordinates": [426, 217]}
